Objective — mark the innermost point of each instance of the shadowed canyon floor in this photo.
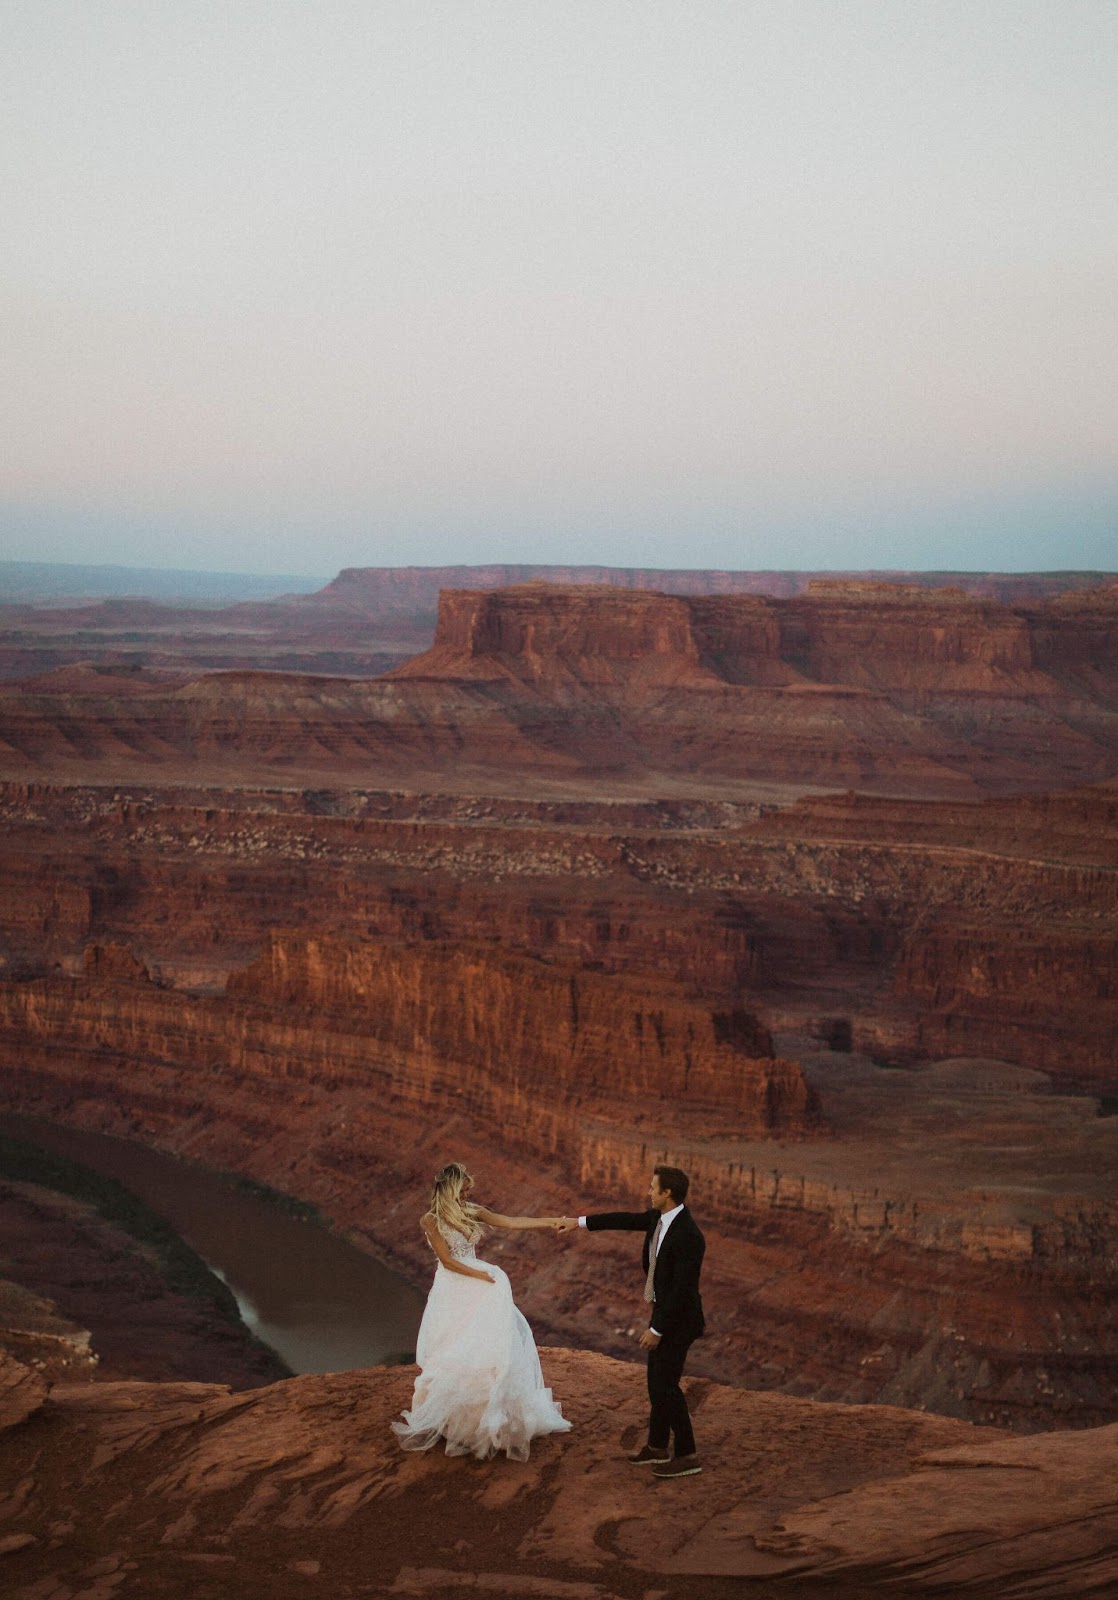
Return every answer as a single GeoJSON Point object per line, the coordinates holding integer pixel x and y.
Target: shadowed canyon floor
{"type": "Point", "coordinates": [297, 1489]}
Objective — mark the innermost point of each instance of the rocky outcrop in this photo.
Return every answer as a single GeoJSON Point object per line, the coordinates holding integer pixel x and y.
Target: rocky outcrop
{"type": "Point", "coordinates": [22, 1391]}
{"type": "Point", "coordinates": [870, 636]}
{"type": "Point", "coordinates": [963, 980]}
{"type": "Point", "coordinates": [896, 638]}
{"type": "Point", "coordinates": [263, 1494]}
{"type": "Point", "coordinates": [1080, 653]}
{"type": "Point", "coordinates": [1004, 953]}
{"type": "Point", "coordinates": [849, 684]}
{"type": "Point", "coordinates": [113, 963]}
{"type": "Point", "coordinates": [580, 639]}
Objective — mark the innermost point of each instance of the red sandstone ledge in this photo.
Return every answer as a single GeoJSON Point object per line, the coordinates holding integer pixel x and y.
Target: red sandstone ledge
{"type": "Point", "coordinates": [199, 1490]}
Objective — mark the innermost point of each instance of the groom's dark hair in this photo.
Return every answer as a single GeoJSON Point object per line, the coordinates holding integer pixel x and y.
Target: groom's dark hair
{"type": "Point", "coordinates": [675, 1181]}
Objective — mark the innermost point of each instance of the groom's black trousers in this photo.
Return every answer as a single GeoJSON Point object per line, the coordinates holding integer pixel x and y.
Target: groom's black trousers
{"type": "Point", "coordinates": [669, 1414]}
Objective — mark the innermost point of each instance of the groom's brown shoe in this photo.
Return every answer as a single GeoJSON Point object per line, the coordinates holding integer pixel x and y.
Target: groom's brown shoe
{"type": "Point", "coordinates": [649, 1455]}
{"type": "Point", "coordinates": [678, 1467]}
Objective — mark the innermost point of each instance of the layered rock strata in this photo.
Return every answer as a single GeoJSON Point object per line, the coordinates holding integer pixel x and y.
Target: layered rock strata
{"type": "Point", "coordinates": [569, 689]}
{"type": "Point", "coordinates": [371, 618]}
{"type": "Point", "coordinates": [912, 930]}
{"type": "Point", "coordinates": [520, 1044]}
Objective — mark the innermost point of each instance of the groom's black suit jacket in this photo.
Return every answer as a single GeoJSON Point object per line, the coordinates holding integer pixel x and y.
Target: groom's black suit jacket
{"type": "Point", "coordinates": [675, 1283]}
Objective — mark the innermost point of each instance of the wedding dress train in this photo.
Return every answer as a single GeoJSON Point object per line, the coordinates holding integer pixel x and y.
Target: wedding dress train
{"type": "Point", "coordinates": [480, 1386]}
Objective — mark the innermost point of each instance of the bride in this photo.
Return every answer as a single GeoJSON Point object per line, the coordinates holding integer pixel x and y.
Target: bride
{"type": "Point", "coordinates": [480, 1386]}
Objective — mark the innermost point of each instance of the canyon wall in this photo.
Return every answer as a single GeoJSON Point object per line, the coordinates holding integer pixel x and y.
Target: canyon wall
{"type": "Point", "coordinates": [521, 1045]}
{"type": "Point", "coordinates": [505, 1033]}
{"type": "Point", "coordinates": [875, 636]}
{"type": "Point", "coordinates": [540, 690]}
{"type": "Point", "coordinates": [978, 929]}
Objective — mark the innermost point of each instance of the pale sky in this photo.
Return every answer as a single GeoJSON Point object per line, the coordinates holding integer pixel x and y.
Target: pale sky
{"type": "Point", "coordinates": [745, 283]}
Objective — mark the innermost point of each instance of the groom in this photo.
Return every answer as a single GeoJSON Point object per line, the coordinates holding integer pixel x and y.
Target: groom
{"type": "Point", "coordinates": [672, 1260]}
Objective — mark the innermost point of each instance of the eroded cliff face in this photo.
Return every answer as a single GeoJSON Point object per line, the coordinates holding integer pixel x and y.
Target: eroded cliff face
{"type": "Point", "coordinates": [517, 1043]}
{"type": "Point", "coordinates": [902, 638]}
{"type": "Point", "coordinates": [372, 618]}
{"type": "Point", "coordinates": [961, 984]}
{"type": "Point", "coordinates": [878, 636]}
{"type": "Point", "coordinates": [585, 639]}
{"type": "Point", "coordinates": [508, 1036]}
{"type": "Point", "coordinates": [1079, 653]}
{"type": "Point", "coordinates": [913, 930]}
{"type": "Point", "coordinates": [561, 689]}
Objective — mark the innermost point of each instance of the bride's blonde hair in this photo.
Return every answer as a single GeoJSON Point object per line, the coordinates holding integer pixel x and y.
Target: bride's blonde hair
{"type": "Point", "coordinates": [447, 1203]}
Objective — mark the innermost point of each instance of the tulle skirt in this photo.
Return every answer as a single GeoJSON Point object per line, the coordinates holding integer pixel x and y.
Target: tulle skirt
{"type": "Point", "coordinates": [480, 1386]}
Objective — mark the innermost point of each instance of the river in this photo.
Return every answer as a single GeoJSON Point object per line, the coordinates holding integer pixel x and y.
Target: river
{"type": "Point", "coordinates": [322, 1304]}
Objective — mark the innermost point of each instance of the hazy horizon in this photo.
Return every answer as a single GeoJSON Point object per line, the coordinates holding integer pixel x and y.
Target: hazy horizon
{"type": "Point", "coordinates": [16, 575]}
{"type": "Point", "coordinates": [745, 285]}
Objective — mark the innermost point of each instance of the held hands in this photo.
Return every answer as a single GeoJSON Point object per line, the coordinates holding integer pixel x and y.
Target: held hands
{"type": "Point", "coordinates": [565, 1224]}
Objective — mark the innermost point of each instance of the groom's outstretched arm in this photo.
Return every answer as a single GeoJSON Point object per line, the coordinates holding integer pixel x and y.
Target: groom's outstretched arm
{"type": "Point", "coordinates": [626, 1221]}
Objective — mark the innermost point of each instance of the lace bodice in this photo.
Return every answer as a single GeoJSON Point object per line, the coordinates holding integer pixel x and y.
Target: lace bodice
{"type": "Point", "coordinates": [461, 1248]}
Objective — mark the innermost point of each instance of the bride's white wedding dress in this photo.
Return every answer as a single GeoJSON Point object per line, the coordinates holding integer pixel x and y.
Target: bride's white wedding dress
{"type": "Point", "coordinates": [480, 1386]}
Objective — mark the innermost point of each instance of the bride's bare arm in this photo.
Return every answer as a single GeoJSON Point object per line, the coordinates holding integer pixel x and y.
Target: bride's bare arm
{"type": "Point", "coordinates": [494, 1219]}
{"type": "Point", "coordinates": [442, 1250]}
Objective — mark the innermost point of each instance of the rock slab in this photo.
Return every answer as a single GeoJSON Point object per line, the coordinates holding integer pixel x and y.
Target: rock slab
{"type": "Point", "coordinates": [145, 1490]}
